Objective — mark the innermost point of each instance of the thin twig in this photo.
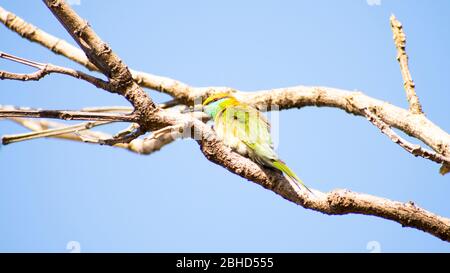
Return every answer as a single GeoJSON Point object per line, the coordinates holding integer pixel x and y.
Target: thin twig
{"type": "Point", "coordinates": [6, 112]}
{"type": "Point", "coordinates": [336, 202]}
{"type": "Point", "coordinates": [400, 43]}
{"type": "Point", "coordinates": [414, 149]}
{"type": "Point", "coordinates": [163, 105]}
{"type": "Point", "coordinates": [8, 139]}
{"type": "Point", "coordinates": [46, 69]}
{"type": "Point", "coordinates": [104, 109]}
{"type": "Point", "coordinates": [123, 137]}
{"type": "Point", "coordinates": [144, 146]}
{"type": "Point", "coordinates": [41, 129]}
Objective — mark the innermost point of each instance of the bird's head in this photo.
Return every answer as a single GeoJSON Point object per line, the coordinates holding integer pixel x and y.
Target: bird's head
{"type": "Point", "coordinates": [216, 102]}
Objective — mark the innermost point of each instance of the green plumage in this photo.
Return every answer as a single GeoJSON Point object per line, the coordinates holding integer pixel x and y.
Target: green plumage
{"type": "Point", "coordinates": [247, 131]}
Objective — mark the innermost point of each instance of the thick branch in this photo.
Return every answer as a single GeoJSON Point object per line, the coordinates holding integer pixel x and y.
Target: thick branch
{"type": "Point", "coordinates": [336, 202]}
{"type": "Point", "coordinates": [101, 55]}
{"type": "Point", "coordinates": [402, 57]}
{"type": "Point", "coordinates": [81, 132]}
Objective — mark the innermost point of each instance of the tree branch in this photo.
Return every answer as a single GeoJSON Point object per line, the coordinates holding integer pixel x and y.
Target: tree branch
{"type": "Point", "coordinates": [63, 130]}
{"type": "Point", "coordinates": [45, 69]}
{"type": "Point", "coordinates": [414, 149]}
{"type": "Point", "coordinates": [61, 47]}
{"type": "Point", "coordinates": [9, 112]}
{"type": "Point", "coordinates": [337, 202]}
{"type": "Point", "coordinates": [402, 57]}
{"type": "Point", "coordinates": [41, 128]}
{"type": "Point", "coordinates": [34, 34]}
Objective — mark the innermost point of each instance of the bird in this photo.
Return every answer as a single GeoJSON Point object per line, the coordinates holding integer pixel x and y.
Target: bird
{"type": "Point", "coordinates": [246, 130]}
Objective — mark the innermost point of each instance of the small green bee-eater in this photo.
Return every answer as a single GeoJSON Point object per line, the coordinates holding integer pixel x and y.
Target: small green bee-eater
{"type": "Point", "coordinates": [246, 130]}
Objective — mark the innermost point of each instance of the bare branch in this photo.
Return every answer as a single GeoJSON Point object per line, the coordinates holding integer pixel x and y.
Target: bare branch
{"type": "Point", "coordinates": [414, 149]}
{"type": "Point", "coordinates": [34, 34]}
{"type": "Point", "coordinates": [8, 139]}
{"type": "Point", "coordinates": [126, 109]}
{"type": "Point", "coordinates": [417, 126]}
{"type": "Point", "coordinates": [101, 55]}
{"type": "Point", "coordinates": [141, 146]}
{"type": "Point", "coordinates": [10, 112]}
{"type": "Point", "coordinates": [402, 57]}
{"type": "Point", "coordinates": [45, 69]}
{"type": "Point", "coordinates": [123, 137]}
{"type": "Point", "coordinates": [41, 129]}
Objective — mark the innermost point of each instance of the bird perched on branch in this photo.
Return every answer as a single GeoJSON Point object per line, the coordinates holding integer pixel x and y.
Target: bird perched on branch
{"type": "Point", "coordinates": [247, 131]}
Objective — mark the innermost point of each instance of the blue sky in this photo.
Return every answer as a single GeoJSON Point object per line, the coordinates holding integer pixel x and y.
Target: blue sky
{"type": "Point", "coordinates": [53, 191]}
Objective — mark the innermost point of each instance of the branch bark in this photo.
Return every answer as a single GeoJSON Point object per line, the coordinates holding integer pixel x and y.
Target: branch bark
{"type": "Point", "coordinates": [48, 132]}
{"type": "Point", "coordinates": [400, 43]}
{"type": "Point", "coordinates": [46, 69]}
{"type": "Point", "coordinates": [9, 112]}
{"type": "Point", "coordinates": [408, 146]}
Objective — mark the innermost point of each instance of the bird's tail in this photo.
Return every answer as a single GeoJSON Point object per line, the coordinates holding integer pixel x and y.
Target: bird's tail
{"type": "Point", "coordinates": [280, 165]}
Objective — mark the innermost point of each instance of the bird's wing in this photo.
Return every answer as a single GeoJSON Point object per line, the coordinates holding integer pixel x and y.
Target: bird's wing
{"type": "Point", "coordinates": [251, 127]}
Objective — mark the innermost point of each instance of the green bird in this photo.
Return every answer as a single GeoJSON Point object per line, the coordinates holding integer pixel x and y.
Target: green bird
{"type": "Point", "coordinates": [247, 131]}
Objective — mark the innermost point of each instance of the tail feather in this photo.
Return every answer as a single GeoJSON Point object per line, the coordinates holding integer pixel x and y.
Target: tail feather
{"type": "Point", "coordinates": [280, 165]}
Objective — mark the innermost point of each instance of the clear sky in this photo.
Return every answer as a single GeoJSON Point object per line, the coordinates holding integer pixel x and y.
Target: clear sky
{"type": "Point", "coordinates": [106, 199]}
